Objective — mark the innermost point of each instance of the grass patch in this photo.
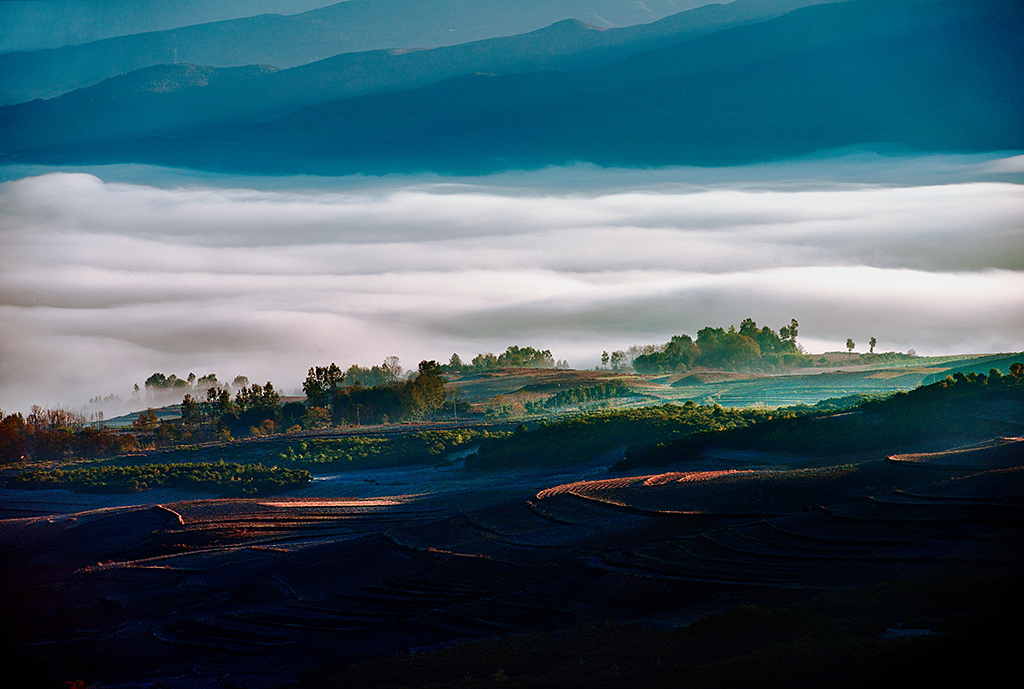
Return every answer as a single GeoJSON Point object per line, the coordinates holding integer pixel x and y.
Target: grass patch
{"type": "Point", "coordinates": [218, 478]}
{"type": "Point", "coordinates": [364, 453]}
{"type": "Point", "coordinates": [588, 437]}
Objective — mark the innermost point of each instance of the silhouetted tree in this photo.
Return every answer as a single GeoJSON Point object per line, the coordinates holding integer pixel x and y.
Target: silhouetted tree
{"type": "Point", "coordinates": [322, 384]}
{"type": "Point", "coordinates": [259, 408]}
{"type": "Point", "coordinates": [425, 393]}
{"type": "Point", "coordinates": [292, 414]}
{"type": "Point", "coordinates": [13, 437]}
{"type": "Point", "coordinates": [850, 344]}
{"type": "Point", "coordinates": [190, 412]}
{"type": "Point", "coordinates": [146, 422]}
{"type": "Point", "coordinates": [219, 403]}
{"type": "Point", "coordinates": [789, 332]}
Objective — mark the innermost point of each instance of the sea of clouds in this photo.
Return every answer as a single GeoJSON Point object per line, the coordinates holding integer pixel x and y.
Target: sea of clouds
{"type": "Point", "coordinates": [111, 274]}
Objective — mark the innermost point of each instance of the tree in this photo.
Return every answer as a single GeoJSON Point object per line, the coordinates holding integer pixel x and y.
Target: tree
{"type": "Point", "coordinates": [190, 414]}
{"type": "Point", "coordinates": [392, 369]}
{"type": "Point", "coordinates": [788, 332]}
{"type": "Point", "coordinates": [257, 396]}
{"type": "Point", "coordinates": [525, 357]}
{"type": "Point", "coordinates": [161, 389]}
{"type": "Point", "coordinates": [618, 360]}
{"type": "Point", "coordinates": [485, 362]}
{"type": "Point", "coordinates": [322, 384]}
{"type": "Point", "coordinates": [317, 417]}
{"type": "Point", "coordinates": [425, 394]}
{"type": "Point", "coordinates": [726, 350]}
{"type": "Point", "coordinates": [259, 407]}
{"type": "Point", "coordinates": [871, 343]}
{"type": "Point", "coordinates": [634, 351]}
{"type": "Point", "coordinates": [146, 422]}
{"type": "Point", "coordinates": [368, 377]}
{"type": "Point", "coordinates": [453, 397]}
{"type": "Point", "coordinates": [55, 419]}
{"type": "Point", "coordinates": [205, 383]}
{"type": "Point", "coordinates": [678, 354]}
{"type": "Point", "coordinates": [850, 344]}
{"type": "Point", "coordinates": [14, 434]}
{"type": "Point", "coordinates": [219, 403]}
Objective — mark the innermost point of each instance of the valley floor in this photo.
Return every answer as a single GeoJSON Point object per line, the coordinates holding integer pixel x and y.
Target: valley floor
{"type": "Point", "coordinates": [173, 590]}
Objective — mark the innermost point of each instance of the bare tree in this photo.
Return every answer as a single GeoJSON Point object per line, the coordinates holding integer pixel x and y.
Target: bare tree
{"type": "Point", "coordinates": [392, 369]}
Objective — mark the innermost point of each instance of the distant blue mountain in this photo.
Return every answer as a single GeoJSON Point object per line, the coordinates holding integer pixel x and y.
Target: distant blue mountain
{"type": "Point", "coordinates": [43, 24]}
{"type": "Point", "coordinates": [166, 97]}
{"type": "Point", "coordinates": [933, 75]}
{"type": "Point", "coordinates": [287, 41]}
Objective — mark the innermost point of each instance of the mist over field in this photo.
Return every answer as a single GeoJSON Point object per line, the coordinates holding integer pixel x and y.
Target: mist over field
{"type": "Point", "coordinates": [110, 274]}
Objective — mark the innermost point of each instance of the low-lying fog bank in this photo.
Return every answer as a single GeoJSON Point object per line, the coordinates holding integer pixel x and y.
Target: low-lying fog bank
{"type": "Point", "coordinates": [110, 274]}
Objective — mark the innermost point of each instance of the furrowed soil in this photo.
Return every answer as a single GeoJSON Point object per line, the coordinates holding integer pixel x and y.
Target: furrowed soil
{"type": "Point", "coordinates": [173, 590]}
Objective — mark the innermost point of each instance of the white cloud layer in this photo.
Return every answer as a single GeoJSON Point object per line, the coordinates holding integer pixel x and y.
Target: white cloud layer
{"type": "Point", "coordinates": [103, 283]}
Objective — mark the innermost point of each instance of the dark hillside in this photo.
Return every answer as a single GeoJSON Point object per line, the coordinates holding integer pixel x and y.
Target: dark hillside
{"type": "Point", "coordinates": [603, 435]}
{"type": "Point", "coordinates": [960, 410]}
{"type": "Point", "coordinates": [873, 569]}
{"type": "Point", "coordinates": [980, 365]}
{"type": "Point", "coordinates": [833, 641]}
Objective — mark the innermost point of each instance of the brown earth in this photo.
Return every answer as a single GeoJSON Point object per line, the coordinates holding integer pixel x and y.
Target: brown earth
{"type": "Point", "coordinates": [167, 590]}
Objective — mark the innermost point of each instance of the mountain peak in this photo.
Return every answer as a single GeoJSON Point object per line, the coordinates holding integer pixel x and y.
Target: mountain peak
{"type": "Point", "coordinates": [573, 25]}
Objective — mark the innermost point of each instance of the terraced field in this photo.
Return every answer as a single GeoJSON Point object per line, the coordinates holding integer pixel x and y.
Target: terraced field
{"type": "Point", "coordinates": [188, 592]}
{"type": "Point", "coordinates": [837, 375]}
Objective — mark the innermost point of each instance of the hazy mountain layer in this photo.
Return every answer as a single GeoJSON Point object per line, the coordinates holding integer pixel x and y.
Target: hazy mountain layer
{"type": "Point", "coordinates": [54, 23]}
{"type": "Point", "coordinates": [286, 41]}
{"type": "Point", "coordinates": [163, 97]}
{"type": "Point", "coordinates": [935, 75]}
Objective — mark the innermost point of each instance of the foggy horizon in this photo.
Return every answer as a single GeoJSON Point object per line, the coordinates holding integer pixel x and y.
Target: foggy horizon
{"type": "Point", "coordinates": [107, 279]}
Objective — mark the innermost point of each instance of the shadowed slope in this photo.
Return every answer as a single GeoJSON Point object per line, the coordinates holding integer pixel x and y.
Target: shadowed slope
{"type": "Point", "coordinates": [936, 75]}
{"type": "Point", "coordinates": [167, 97]}
{"type": "Point", "coordinates": [263, 589]}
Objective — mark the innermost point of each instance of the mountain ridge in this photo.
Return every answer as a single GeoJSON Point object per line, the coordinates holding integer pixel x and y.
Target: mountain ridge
{"type": "Point", "coordinates": [861, 72]}
{"type": "Point", "coordinates": [566, 45]}
{"type": "Point", "coordinates": [289, 40]}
